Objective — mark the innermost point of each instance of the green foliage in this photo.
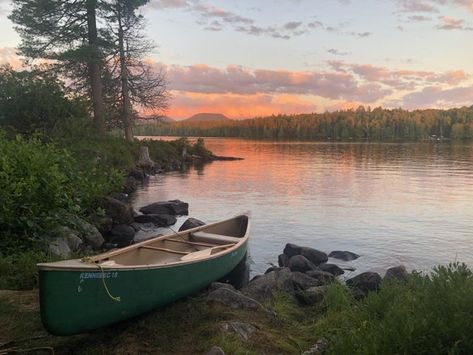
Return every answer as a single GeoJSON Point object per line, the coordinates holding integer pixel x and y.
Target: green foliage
{"type": "Point", "coordinates": [34, 101]}
{"type": "Point", "coordinates": [18, 271]}
{"type": "Point", "coordinates": [360, 124]}
{"type": "Point", "coordinates": [426, 315]}
{"type": "Point", "coordinates": [40, 184]}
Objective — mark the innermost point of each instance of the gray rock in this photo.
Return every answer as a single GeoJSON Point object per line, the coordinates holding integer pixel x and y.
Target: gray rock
{"type": "Point", "coordinates": [120, 212]}
{"type": "Point", "coordinates": [264, 287]}
{"type": "Point", "coordinates": [244, 330]}
{"type": "Point", "coordinates": [216, 350]}
{"type": "Point", "coordinates": [138, 174]}
{"type": "Point", "coordinates": [216, 285]}
{"type": "Point", "coordinates": [234, 299]}
{"type": "Point", "coordinates": [292, 249]}
{"type": "Point", "coordinates": [283, 260]}
{"type": "Point", "coordinates": [191, 223]}
{"type": "Point", "coordinates": [320, 347]}
{"type": "Point", "coordinates": [70, 236]}
{"type": "Point", "coordinates": [365, 282]}
{"type": "Point", "coordinates": [313, 255]}
{"type": "Point", "coordinates": [273, 268]}
{"type": "Point", "coordinates": [312, 295]}
{"type": "Point", "coordinates": [343, 255]}
{"type": "Point", "coordinates": [103, 223]}
{"type": "Point", "coordinates": [322, 277]}
{"type": "Point", "coordinates": [300, 263]}
{"type": "Point", "coordinates": [122, 235]}
{"type": "Point", "coordinates": [161, 220]}
{"type": "Point", "coordinates": [331, 268]}
{"type": "Point", "coordinates": [172, 207]}
{"type": "Point", "coordinates": [91, 235]}
{"type": "Point", "coordinates": [59, 247]}
{"type": "Point", "coordinates": [397, 272]}
{"type": "Point", "coordinates": [131, 184]}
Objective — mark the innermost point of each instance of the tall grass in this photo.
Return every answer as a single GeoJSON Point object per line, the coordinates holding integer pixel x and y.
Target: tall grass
{"type": "Point", "coordinates": [428, 314]}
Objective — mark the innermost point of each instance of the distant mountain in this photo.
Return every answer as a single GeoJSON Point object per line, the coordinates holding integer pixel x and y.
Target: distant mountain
{"type": "Point", "coordinates": [201, 117]}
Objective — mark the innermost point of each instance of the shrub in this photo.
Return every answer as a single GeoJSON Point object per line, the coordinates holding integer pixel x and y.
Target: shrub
{"type": "Point", "coordinates": [426, 315]}
{"type": "Point", "coordinates": [40, 184]}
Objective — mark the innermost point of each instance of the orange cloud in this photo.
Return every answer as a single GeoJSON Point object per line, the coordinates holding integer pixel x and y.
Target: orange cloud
{"type": "Point", "coordinates": [8, 56]}
{"type": "Point", "coordinates": [238, 106]}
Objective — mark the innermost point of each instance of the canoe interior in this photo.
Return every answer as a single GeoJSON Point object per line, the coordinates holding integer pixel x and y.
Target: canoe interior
{"type": "Point", "coordinates": [181, 247]}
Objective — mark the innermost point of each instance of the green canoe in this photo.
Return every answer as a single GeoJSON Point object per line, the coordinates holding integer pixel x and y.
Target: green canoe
{"type": "Point", "coordinates": [80, 295]}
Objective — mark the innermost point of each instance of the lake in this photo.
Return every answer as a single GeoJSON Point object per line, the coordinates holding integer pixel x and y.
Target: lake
{"type": "Point", "coordinates": [409, 203]}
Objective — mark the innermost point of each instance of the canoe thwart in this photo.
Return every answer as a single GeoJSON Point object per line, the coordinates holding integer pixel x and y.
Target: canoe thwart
{"type": "Point", "coordinates": [214, 238]}
{"type": "Point", "coordinates": [204, 253]}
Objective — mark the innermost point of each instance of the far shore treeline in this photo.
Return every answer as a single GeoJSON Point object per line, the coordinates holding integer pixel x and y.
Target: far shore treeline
{"type": "Point", "coordinates": [361, 124]}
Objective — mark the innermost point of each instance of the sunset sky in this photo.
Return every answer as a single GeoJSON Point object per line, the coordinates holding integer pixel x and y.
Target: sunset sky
{"type": "Point", "coordinates": [248, 58]}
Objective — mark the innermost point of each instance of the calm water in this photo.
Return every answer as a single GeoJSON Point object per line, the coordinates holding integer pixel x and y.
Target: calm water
{"type": "Point", "coordinates": [393, 204]}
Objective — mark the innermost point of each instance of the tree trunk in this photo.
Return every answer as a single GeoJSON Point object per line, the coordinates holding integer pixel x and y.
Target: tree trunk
{"type": "Point", "coordinates": [144, 160]}
{"type": "Point", "coordinates": [126, 105]}
{"type": "Point", "coordinates": [94, 68]}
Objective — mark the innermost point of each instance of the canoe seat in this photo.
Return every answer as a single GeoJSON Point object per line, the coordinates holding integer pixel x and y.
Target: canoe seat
{"type": "Point", "coordinates": [214, 238]}
{"type": "Point", "coordinates": [200, 254]}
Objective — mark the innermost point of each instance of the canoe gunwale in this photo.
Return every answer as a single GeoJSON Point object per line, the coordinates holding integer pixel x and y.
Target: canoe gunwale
{"type": "Point", "coordinates": [94, 266]}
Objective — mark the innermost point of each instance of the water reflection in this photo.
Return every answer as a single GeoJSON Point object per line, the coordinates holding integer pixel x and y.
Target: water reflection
{"type": "Point", "coordinates": [392, 203]}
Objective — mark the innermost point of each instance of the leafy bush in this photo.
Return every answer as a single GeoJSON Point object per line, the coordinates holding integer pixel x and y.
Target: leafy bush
{"type": "Point", "coordinates": [426, 315]}
{"type": "Point", "coordinates": [40, 184]}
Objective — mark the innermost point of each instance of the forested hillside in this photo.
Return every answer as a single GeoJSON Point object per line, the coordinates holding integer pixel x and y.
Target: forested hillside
{"type": "Point", "coordinates": [360, 124]}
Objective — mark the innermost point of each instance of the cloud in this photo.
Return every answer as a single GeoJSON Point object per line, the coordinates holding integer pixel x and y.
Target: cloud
{"type": "Point", "coordinates": [436, 96]}
{"type": "Point", "coordinates": [8, 56]}
{"type": "Point", "coordinates": [449, 23]}
{"type": "Point", "coordinates": [418, 18]}
{"type": "Point", "coordinates": [416, 6]}
{"type": "Point", "coordinates": [243, 81]}
{"type": "Point", "coordinates": [169, 4]}
{"type": "Point", "coordinates": [336, 52]}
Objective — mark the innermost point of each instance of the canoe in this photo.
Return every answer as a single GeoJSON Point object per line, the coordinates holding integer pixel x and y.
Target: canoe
{"type": "Point", "coordinates": [80, 295]}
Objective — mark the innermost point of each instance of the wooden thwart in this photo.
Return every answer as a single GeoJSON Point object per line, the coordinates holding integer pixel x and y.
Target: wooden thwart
{"type": "Point", "coordinates": [164, 249]}
{"type": "Point", "coordinates": [191, 243]}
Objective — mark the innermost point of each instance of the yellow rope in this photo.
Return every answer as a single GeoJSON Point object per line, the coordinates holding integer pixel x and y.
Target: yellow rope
{"type": "Point", "coordinates": [89, 260]}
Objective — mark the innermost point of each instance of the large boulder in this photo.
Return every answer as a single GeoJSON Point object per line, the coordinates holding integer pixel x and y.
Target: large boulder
{"type": "Point", "coordinates": [59, 247]}
{"type": "Point", "coordinates": [283, 260]}
{"type": "Point", "coordinates": [365, 282]}
{"type": "Point", "coordinates": [331, 268]}
{"type": "Point", "coordinates": [173, 207]}
{"type": "Point", "coordinates": [69, 236]}
{"type": "Point", "coordinates": [234, 299]}
{"type": "Point", "coordinates": [312, 295]}
{"type": "Point", "coordinates": [120, 212]}
{"type": "Point", "coordinates": [322, 277]}
{"type": "Point", "coordinates": [103, 223]}
{"type": "Point", "coordinates": [343, 255]}
{"type": "Point", "coordinates": [191, 223]}
{"type": "Point", "coordinates": [397, 272]}
{"type": "Point", "coordinates": [216, 285]}
{"type": "Point", "coordinates": [300, 263]}
{"type": "Point", "coordinates": [313, 255]}
{"type": "Point", "coordinates": [91, 234]}
{"type": "Point", "coordinates": [130, 185]}
{"type": "Point", "coordinates": [161, 220]}
{"type": "Point", "coordinates": [122, 235]}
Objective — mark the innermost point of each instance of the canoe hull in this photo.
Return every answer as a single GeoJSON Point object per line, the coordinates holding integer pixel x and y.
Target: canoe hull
{"type": "Point", "coordinates": [78, 301]}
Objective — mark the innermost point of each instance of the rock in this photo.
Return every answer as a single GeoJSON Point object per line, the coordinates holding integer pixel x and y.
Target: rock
{"type": "Point", "coordinates": [300, 263]}
{"type": "Point", "coordinates": [343, 255]}
{"type": "Point", "coordinates": [397, 272]}
{"type": "Point", "coordinates": [138, 174]}
{"type": "Point", "coordinates": [365, 282]}
{"type": "Point", "coordinates": [162, 220]}
{"type": "Point", "coordinates": [91, 235]}
{"type": "Point", "coordinates": [103, 223]}
{"type": "Point", "coordinates": [234, 299]}
{"type": "Point", "coordinates": [244, 330]}
{"type": "Point", "coordinates": [216, 285]}
{"type": "Point", "coordinates": [191, 223]}
{"type": "Point", "coordinates": [173, 207]}
{"type": "Point", "coordinates": [131, 184]}
{"type": "Point", "coordinates": [59, 247]}
{"type": "Point", "coordinates": [320, 347]}
{"type": "Point", "coordinates": [216, 350]}
{"type": "Point", "coordinates": [273, 268]}
{"type": "Point", "coordinates": [283, 260]}
{"type": "Point", "coordinates": [349, 268]}
{"type": "Point", "coordinates": [322, 276]}
{"type": "Point", "coordinates": [70, 236]}
{"type": "Point", "coordinates": [331, 268]}
{"type": "Point", "coordinates": [312, 295]}
{"type": "Point", "coordinates": [120, 212]}
{"type": "Point", "coordinates": [292, 249]}
{"type": "Point", "coordinates": [122, 235]}
{"type": "Point", "coordinates": [264, 287]}
{"type": "Point", "coordinates": [313, 255]}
